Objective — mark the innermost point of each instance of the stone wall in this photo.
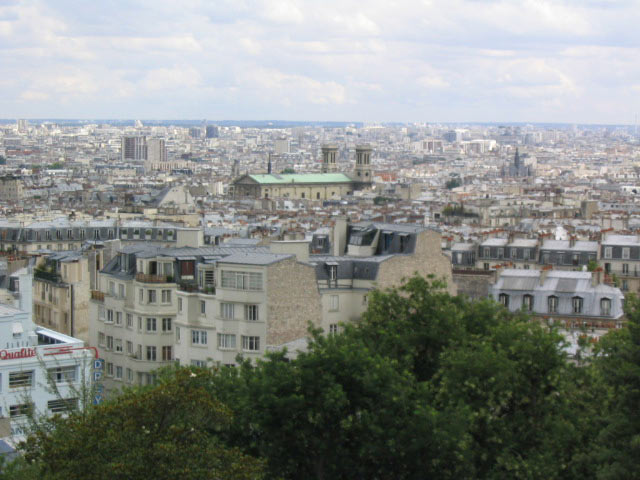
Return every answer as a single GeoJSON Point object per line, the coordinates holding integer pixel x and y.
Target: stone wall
{"type": "Point", "coordinates": [474, 283]}
{"type": "Point", "coordinates": [293, 301]}
{"type": "Point", "coordinates": [427, 259]}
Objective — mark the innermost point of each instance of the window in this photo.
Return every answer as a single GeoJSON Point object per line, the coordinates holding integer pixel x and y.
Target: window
{"type": "Point", "coordinates": [334, 303]}
{"type": "Point", "coordinates": [139, 324]}
{"type": "Point", "coordinates": [109, 342]}
{"type": "Point", "coordinates": [118, 345]}
{"type": "Point", "coordinates": [110, 369]}
{"type": "Point", "coordinates": [199, 363]}
{"type": "Point", "coordinates": [166, 353]}
{"type": "Point", "coordinates": [129, 320]}
{"type": "Point", "coordinates": [178, 334]}
{"type": "Point", "coordinates": [241, 280]}
{"type": "Point", "coordinates": [166, 325]}
{"type": "Point", "coordinates": [625, 285]}
{"type": "Point", "coordinates": [251, 343]}
{"type": "Point", "coordinates": [527, 302]}
{"type": "Point", "coordinates": [112, 289]}
{"type": "Point", "coordinates": [129, 375]}
{"type": "Point", "coordinates": [101, 339]}
{"type": "Point", "coordinates": [166, 296]}
{"type": "Point", "coordinates": [486, 252]}
{"type": "Point", "coordinates": [129, 347]}
{"type": "Point", "coordinates": [501, 252]}
{"type": "Point", "coordinates": [605, 307]}
{"type": "Point", "coordinates": [118, 318]}
{"type": "Point", "coordinates": [121, 290]}
{"type": "Point", "coordinates": [485, 266]}
{"type": "Point", "coordinates": [62, 374]}
{"type": "Point", "coordinates": [203, 307]}
{"type": "Point", "coordinates": [226, 340]}
{"type": "Point", "coordinates": [552, 304]}
{"type": "Point", "coordinates": [576, 302]}
{"type": "Point", "coordinates": [514, 252]}
{"type": "Point", "coordinates": [251, 313]}
{"type": "Point", "coordinates": [226, 311]}
{"type": "Point", "coordinates": [333, 272]}
{"type": "Point", "coordinates": [151, 353]}
{"type": "Point", "coordinates": [198, 337]}
{"type": "Point", "coordinates": [625, 268]}
{"type": "Point", "coordinates": [626, 253]}
{"type": "Point", "coordinates": [503, 298]}
{"type": "Point", "coordinates": [151, 295]}
{"type": "Point", "coordinates": [151, 324]}
{"type": "Point", "coordinates": [333, 329]}
{"type": "Point", "coordinates": [179, 304]}
{"type": "Point", "coordinates": [119, 373]}
{"type": "Point", "coordinates": [575, 259]}
{"type": "Point", "coordinates": [20, 410]}
{"type": "Point", "coordinates": [607, 252]}
{"type": "Point", "coordinates": [109, 316]}
{"type": "Point", "coordinates": [62, 405]}
{"type": "Point", "coordinates": [141, 295]}
{"type": "Point", "coordinates": [101, 313]}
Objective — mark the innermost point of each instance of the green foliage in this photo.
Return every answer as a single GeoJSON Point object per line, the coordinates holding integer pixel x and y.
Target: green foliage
{"type": "Point", "coordinates": [165, 432]}
{"type": "Point", "coordinates": [379, 200]}
{"type": "Point", "coordinates": [453, 183]}
{"type": "Point", "coordinates": [457, 211]}
{"type": "Point", "coordinates": [592, 265]}
{"type": "Point", "coordinates": [56, 166]}
{"type": "Point", "coordinates": [288, 170]}
{"type": "Point", "coordinates": [425, 385]}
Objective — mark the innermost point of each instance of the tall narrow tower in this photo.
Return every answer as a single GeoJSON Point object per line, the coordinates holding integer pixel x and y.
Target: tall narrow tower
{"type": "Point", "coordinates": [363, 163]}
{"type": "Point", "coordinates": [329, 155]}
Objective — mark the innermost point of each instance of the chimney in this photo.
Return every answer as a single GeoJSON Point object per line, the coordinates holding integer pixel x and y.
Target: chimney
{"type": "Point", "coordinates": [339, 243]}
{"type": "Point", "coordinates": [544, 272]}
{"type": "Point", "coordinates": [596, 277]}
{"type": "Point", "coordinates": [269, 165]}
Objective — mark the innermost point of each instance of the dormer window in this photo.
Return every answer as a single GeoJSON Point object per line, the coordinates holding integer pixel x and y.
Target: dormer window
{"type": "Point", "coordinates": [332, 269]}
{"type": "Point", "coordinates": [552, 304]}
{"type": "Point", "coordinates": [576, 303]}
{"type": "Point", "coordinates": [605, 307]}
{"type": "Point", "coordinates": [527, 302]}
{"type": "Point", "coordinates": [503, 298]}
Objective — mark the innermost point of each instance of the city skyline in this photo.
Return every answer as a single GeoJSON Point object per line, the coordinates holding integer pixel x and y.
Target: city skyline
{"type": "Point", "coordinates": [463, 61]}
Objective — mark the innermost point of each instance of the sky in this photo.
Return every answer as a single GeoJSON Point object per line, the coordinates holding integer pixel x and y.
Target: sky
{"type": "Point", "coordinates": [573, 61]}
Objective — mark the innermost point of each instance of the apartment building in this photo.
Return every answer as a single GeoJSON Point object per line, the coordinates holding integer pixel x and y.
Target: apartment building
{"type": "Point", "coordinates": [567, 298]}
{"type": "Point", "coordinates": [620, 257]}
{"type": "Point", "coordinates": [209, 304]}
{"type": "Point", "coordinates": [64, 234]}
{"type": "Point", "coordinates": [61, 294]}
{"type": "Point", "coordinates": [41, 371]}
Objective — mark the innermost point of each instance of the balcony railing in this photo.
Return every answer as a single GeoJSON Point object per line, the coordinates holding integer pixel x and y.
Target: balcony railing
{"type": "Point", "coordinates": [193, 288]}
{"type": "Point", "coordinates": [97, 295]}
{"type": "Point", "coordinates": [146, 278]}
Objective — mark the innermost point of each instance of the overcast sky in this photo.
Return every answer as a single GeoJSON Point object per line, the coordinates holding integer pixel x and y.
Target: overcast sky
{"type": "Point", "coordinates": [363, 60]}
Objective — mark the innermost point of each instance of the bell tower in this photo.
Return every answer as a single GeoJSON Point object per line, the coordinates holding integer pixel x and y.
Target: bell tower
{"type": "Point", "coordinates": [363, 163]}
{"type": "Point", "coordinates": [329, 155]}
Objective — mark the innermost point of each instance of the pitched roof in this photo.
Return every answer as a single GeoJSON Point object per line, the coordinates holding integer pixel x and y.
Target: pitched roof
{"type": "Point", "coordinates": [283, 179]}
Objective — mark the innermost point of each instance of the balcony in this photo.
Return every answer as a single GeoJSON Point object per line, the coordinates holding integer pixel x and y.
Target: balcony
{"type": "Point", "coordinates": [97, 296]}
{"type": "Point", "coordinates": [146, 278]}
{"type": "Point", "coordinates": [194, 288]}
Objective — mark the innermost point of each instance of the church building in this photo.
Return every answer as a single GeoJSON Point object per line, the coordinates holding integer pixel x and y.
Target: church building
{"type": "Point", "coordinates": [328, 185]}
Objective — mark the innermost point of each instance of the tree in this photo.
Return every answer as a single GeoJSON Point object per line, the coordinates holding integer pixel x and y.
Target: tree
{"type": "Point", "coordinates": [453, 183]}
{"type": "Point", "coordinates": [616, 449]}
{"type": "Point", "coordinates": [167, 431]}
{"type": "Point", "coordinates": [288, 170]}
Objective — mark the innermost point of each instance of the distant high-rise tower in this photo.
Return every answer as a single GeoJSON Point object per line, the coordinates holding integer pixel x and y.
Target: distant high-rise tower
{"type": "Point", "coordinates": [329, 155]}
{"type": "Point", "coordinates": [23, 125]}
{"type": "Point", "coordinates": [195, 132]}
{"type": "Point", "coordinates": [156, 150]}
{"type": "Point", "coordinates": [134, 148]}
{"type": "Point", "coordinates": [516, 160]}
{"type": "Point", "coordinates": [363, 163]}
{"type": "Point", "coordinates": [211, 131]}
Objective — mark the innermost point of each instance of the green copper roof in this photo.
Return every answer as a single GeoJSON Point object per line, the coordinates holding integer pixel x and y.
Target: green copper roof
{"type": "Point", "coordinates": [293, 178]}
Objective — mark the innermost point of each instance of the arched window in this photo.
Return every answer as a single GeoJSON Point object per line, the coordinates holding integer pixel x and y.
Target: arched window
{"type": "Point", "coordinates": [605, 307]}
{"type": "Point", "coordinates": [503, 298]}
{"type": "Point", "coordinates": [576, 302]}
{"type": "Point", "coordinates": [527, 302]}
{"type": "Point", "coordinates": [552, 304]}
